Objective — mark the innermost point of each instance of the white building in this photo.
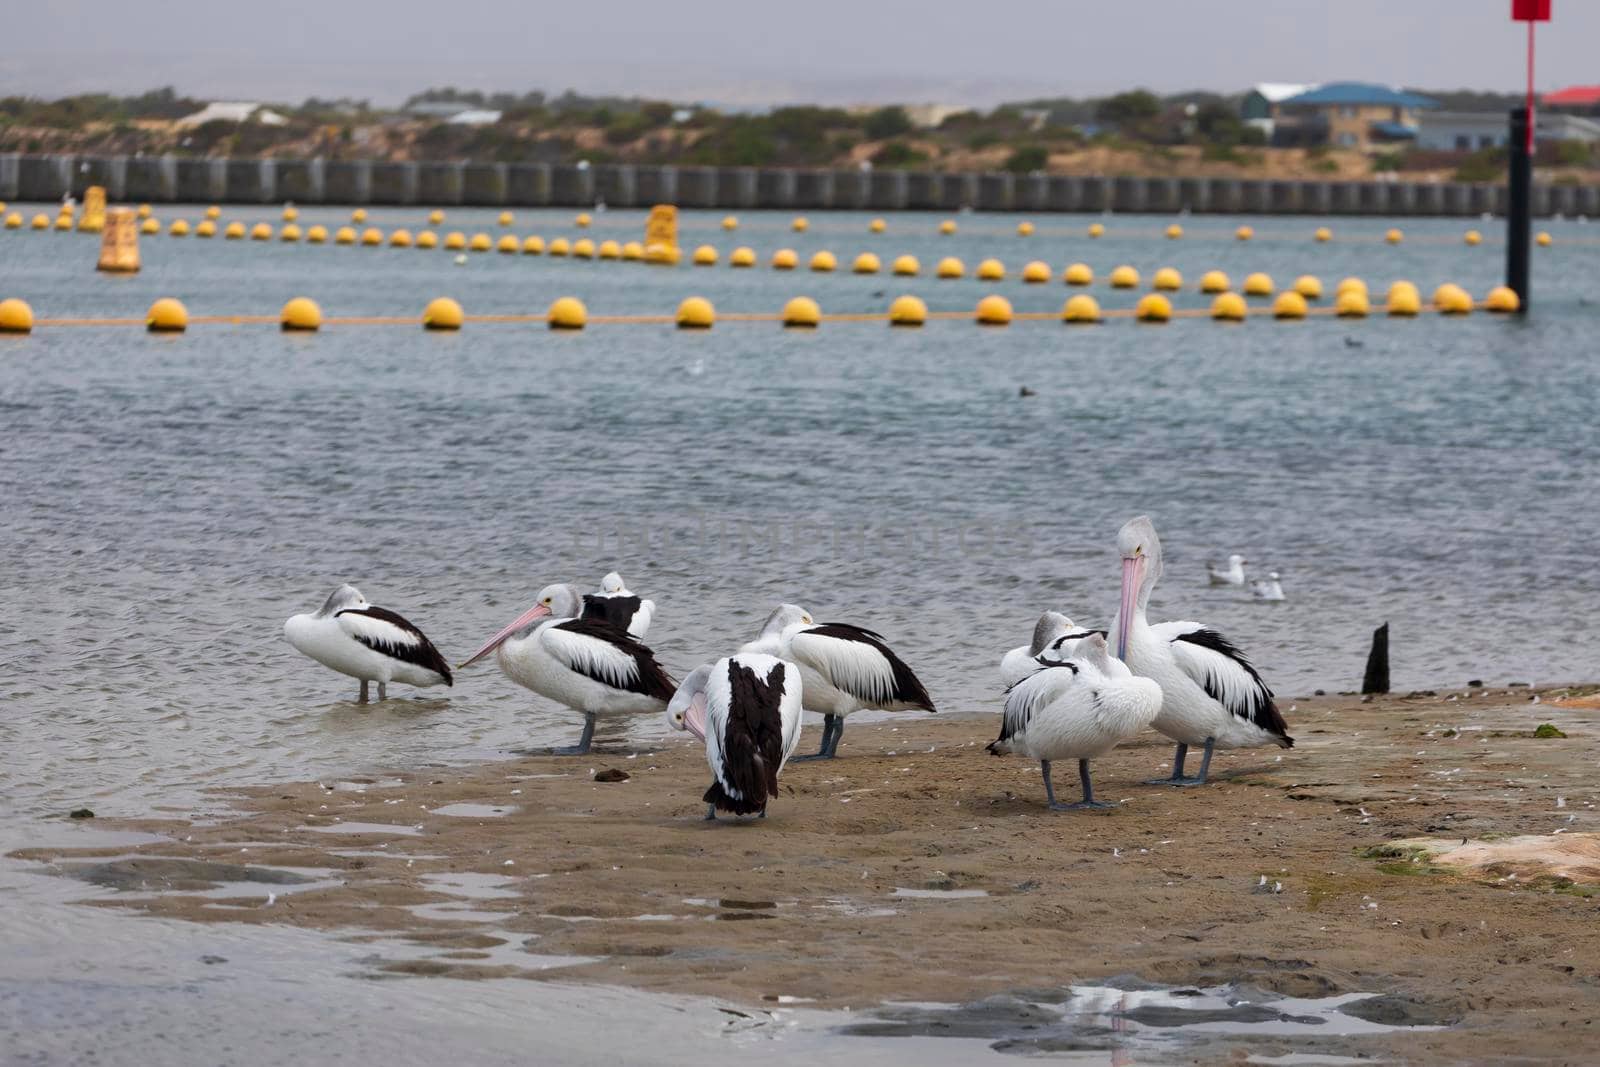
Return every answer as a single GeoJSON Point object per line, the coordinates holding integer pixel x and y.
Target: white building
{"type": "Point", "coordinates": [232, 111]}
{"type": "Point", "coordinates": [1472, 131]}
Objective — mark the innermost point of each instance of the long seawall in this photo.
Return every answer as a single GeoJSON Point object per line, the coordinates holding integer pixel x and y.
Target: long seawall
{"type": "Point", "coordinates": [173, 179]}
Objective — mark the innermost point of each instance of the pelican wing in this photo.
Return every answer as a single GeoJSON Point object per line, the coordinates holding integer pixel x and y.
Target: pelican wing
{"type": "Point", "coordinates": [856, 661]}
{"type": "Point", "coordinates": [1038, 690]}
{"type": "Point", "coordinates": [607, 655]}
{"type": "Point", "coordinates": [615, 608]}
{"type": "Point", "coordinates": [745, 702]}
{"type": "Point", "coordinates": [1219, 668]}
{"type": "Point", "coordinates": [389, 634]}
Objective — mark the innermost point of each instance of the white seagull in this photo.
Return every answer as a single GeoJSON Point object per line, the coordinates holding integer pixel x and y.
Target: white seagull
{"type": "Point", "coordinates": [1232, 574]}
{"type": "Point", "coordinates": [843, 668]}
{"type": "Point", "coordinates": [746, 708]}
{"type": "Point", "coordinates": [370, 643]}
{"type": "Point", "coordinates": [1078, 709]}
{"type": "Point", "coordinates": [622, 609]}
{"type": "Point", "coordinates": [1054, 638]}
{"type": "Point", "coordinates": [1268, 588]}
{"type": "Point", "coordinates": [1211, 695]}
{"type": "Point", "coordinates": [586, 664]}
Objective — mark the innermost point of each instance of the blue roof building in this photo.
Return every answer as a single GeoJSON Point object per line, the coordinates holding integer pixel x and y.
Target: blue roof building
{"type": "Point", "coordinates": [1354, 115]}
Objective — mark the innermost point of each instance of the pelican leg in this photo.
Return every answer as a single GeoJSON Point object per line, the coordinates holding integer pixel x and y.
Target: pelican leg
{"type": "Point", "coordinates": [1178, 760]}
{"type": "Point", "coordinates": [383, 691]}
{"type": "Point", "coordinates": [583, 741]}
{"type": "Point", "coordinates": [832, 727]}
{"type": "Point", "coordinates": [711, 813]}
{"type": "Point", "coordinates": [1087, 803]}
{"type": "Point", "coordinates": [362, 699]}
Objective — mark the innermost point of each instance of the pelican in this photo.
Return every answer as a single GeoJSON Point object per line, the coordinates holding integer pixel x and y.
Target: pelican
{"type": "Point", "coordinates": [843, 668]}
{"type": "Point", "coordinates": [746, 708]}
{"type": "Point", "coordinates": [1232, 574]}
{"type": "Point", "coordinates": [586, 664]}
{"type": "Point", "coordinates": [1054, 637]}
{"type": "Point", "coordinates": [370, 643]}
{"type": "Point", "coordinates": [622, 609]}
{"type": "Point", "coordinates": [1268, 588]}
{"type": "Point", "coordinates": [1080, 708]}
{"type": "Point", "coordinates": [1211, 693]}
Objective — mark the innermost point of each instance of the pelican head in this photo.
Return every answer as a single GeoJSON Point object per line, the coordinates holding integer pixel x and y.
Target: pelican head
{"type": "Point", "coordinates": [687, 708]}
{"type": "Point", "coordinates": [1141, 567]}
{"type": "Point", "coordinates": [341, 599]}
{"type": "Point", "coordinates": [1051, 625]}
{"type": "Point", "coordinates": [612, 583]}
{"type": "Point", "coordinates": [785, 616]}
{"type": "Point", "coordinates": [560, 601]}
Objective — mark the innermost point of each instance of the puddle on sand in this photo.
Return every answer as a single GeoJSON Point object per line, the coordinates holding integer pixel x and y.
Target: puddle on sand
{"type": "Point", "coordinates": [497, 948]}
{"type": "Point", "coordinates": [475, 811]}
{"type": "Point", "coordinates": [472, 885]}
{"type": "Point", "coordinates": [940, 894]}
{"type": "Point", "coordinates": [365, 828]}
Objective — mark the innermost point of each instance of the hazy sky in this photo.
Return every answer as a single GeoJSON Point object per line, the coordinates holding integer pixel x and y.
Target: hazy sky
{"type": "Point", "coordinates": [762, 51]}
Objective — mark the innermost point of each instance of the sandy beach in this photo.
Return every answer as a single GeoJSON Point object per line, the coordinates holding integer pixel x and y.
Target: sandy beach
{"type": "Point", "coordinates": [918, 868]}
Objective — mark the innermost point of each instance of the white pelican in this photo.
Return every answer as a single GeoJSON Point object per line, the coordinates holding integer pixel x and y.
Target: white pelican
{"type": "Point", "coordinates": [620, 608]}
{"type": "Point", "coordinates": [586, 664]}
{"type": "Point", "coordinates": [1232, 574]}
{"type": "Point", "coordinates": [1054, 637]}
{"type": "Point", "coordinates": [367, 642]}
{"type": "Point", "coordinates": [1078, 709]}
{"type": "Point", "coordinates": [1268, 588]}
{"type": "Point", "coordinates": [843, 668]}
{"type": "Point", "coordinates": [746, 708]}
{"type": "Point", "coordinates": [1211, 695]}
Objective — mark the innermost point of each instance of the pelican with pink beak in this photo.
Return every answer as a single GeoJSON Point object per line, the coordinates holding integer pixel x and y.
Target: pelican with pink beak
{"type": "Point", "coordinates": [746, 708]}
{"type": "Point", "coordinates": [586, 664]}
{"type": "Point", "coordinates": [1210, 693]}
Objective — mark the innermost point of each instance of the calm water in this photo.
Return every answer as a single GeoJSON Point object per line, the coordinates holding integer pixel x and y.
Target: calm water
{"type": "Point", "coordinates": [170, 500]}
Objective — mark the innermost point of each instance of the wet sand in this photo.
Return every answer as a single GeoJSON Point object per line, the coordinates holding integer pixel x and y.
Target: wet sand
{"type": "Point", "coordinates": [916, 867]}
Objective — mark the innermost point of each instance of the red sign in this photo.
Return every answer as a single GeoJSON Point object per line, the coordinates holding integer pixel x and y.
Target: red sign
{"type": "Point", "coordinates": [1530, 10]}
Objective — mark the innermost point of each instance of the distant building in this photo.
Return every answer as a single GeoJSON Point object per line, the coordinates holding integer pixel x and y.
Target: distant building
{"type": "Point", "coordinates": [454, 113]}
{"type": "Point", "coordinates": [1575, 99]}
{"type": "Point", "coordinates": [474, 117]}
{"type": "Point", "coordinates": [1472, 131]}
{"type": "Point", "coordinates": [1260, 107]}
{"type": "Point", "coordinates": [1349, 115]}
{"type": "Point", "coordinates": [232, 111]}
{"type": "Point", "coordinates": [929, 116]}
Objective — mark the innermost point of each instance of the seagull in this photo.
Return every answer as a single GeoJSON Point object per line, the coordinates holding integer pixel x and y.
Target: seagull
{"type": "Point", "coordinates": [622, 609]}
{"type": "Point", "coordinates": [1268, 588]}
{"type": "Point", "coordinates": [843, 668]}
{"type": "Point", "coordinates": [1080, 708]}
{"type": "Point", "coordinates": [1211, 695]}
{"type": "Point", "coordinates": [586, 664]}
{"type": "Point", "coordinates": [746, 708]}
{"type": "Point", "coordinates": [1232, 574]}
{"type": "Point", "coordinates": [370, 643]}
{"type": "Point", "coordinates": [1054, 637]}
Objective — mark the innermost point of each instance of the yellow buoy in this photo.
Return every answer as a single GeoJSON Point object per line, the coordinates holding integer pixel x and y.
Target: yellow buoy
{"type": "Point", "coordinates": [213, 212]}
{"type": "Point", "coordinates": [207, 228]}
{"type": "Point", "coordinates": [743, 256]}
{"type": "Point", "coordinates": [425, 239]}
{"type": "Point", "coordinates": [991, 270]}
{"type": "Point", "coordinates": [908, 310]}
{"type": "Point", "coordinates": [800, 224]}
{"type": "Point", "coordinates": [442, 313]}
{"type": "Point", "coordinates": [994, 310]}
{"type": "Point", "coordinates": [609, 250]}
{"type": "Point", "coordinates": [1244, 233]}
{"type": "Point", "coordinates": [290, 232]}
{"type": "Point", "coordinates": [372, 236]}
{"type": "Point", "coordinates": [1394, 236]}
{"type": "Point", "coordinates": [234, 231]}
{"type": "Point", "coordinates": [15, 316]}
{"type": "Point", "coordinates": [1502, 299]}
{"type": "Point", "coordinates": [1153, 307]}
{"type": "Point", "coordinates": [1258, 284]}
{"type": "Point", "coordinates": [663, 254]}
{"type": "Point", "coordinates": [866, 263]}
{"type": "Point", "coordinates": [41, 221]}
{"type": "Point", "coordinates": [1214, 281]}
{"type": "Point", "coordinates": [1036, 272]}
{"type": "Point", "coordinates": [435, 217]}
{"type": "Point", "coordinates": [583, 248]}
{"type": "Point", "coordinates": [582, 220]}
{"type": "Point", "coordinates": [290, 213]}
{"type": "Point", "coordinates": [1124, 277]}
{"type": "Point", "coordinates": [559, 246]}
{"type": "Point", "coordinates": [802, 312]}
{"type": "Point", "coordinates": [506, 218]}
{"type": "Point", "coordinates": [696, 313]}
{"type": "Point", "coordinates": [632, 250]}
{"type": "Point", "coordinates": [1168, 279]}
{"type": "Point", "coordinates": [400, 239]}
{"type": "Point", "coordinates": [1544, 240]}
{"type": "Point", "coordinates": [454, 241]}
{"type": "Point", "coordinates": [1078, 274]}
{"type": "Point", "coordinates": [344, 235]}
{"type": "Point", "coordinates": [1096, 229]}
{"type": "Point", "coordinates": [14, 221]}
{"type": "Point", "coordinates": [823, 261]}
{"type": "Point", "coordinates": [1024, 229]}
{"type": "Point", "coordinates": [167, 315]}
{"type": "Point", "coordinates": [508, 245]}
{"type": "Point", "coordinates": [358, 216]}
{"type": "Point", "coordinates": [315, 235]}
{"type": "Point", "coordinates": [1404, 299]}
{"type": "Point", "coordinates": [705, 256]}
{"type": "Point", "coordinates": [179, 228]}
{"type": "Point", "coordinates": [261, 231]}
{"type": "Point", "coordinates": [1080, 308]}
{"type": "Point", "coordinates": [1323, 234]}
{"type": "Point", "coordinates": [878, 226]}
{"type": "Point", "coordinates": [907, 265]}
{"type": "Point", "coordinates": [950, 267]}
{"type": "Point", "coordinates": [947, 227]}
{"type": "Point", "coordinates": [1451, 299]}
{"type": "Point", "coordinates": [785, 259]}
{"type": "Point", "coordinates": [301, 313]}
{"type": "Point", "coordinates": [144, 211]}
{"type": "Point", "coordinates": [1309, 286]}
{"type": "Point", "coordinates": [1473, 237]}
{"type": "Point", "coordinates": [568, 313]}
{"type": "Point", "coordinates": [729, 222]}
{"type": "Point", "coordinates": [533, 245]}
{"type": "Point", "coordinates": [1351, 304]}
{"type": "Point", "coordinates": [1289, 305]}
{"type": "Point", "coordinates": [1229, 307]}
{"type": "Point", "coordinates": [1174, 232]}
{"type": "Point", "coordinates": [481, 242]}
{"type": "Point", "coordinates": [1351, 283]}
{"type": "Point", "coordinates": [150, 225]}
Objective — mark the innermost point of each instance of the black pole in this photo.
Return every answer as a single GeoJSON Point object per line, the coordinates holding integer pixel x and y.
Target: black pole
{"type": "Point", "coordinates": [1377, 676]}
{"type": "Point", "coordinates": [1519, 208]}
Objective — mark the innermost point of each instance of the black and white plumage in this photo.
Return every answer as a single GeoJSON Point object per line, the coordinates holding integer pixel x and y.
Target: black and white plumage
{"type": "Point", "coordinates": [1080, 708]}
{"type": "Point", "coordinates": [1212, 696]}
{"type": "Point", "coordinates": [843, 669]}
{"type": "Point", "coordinates": [1268, 588]}
{"type": "Point", "coordinates": [367, 642]}
{"type": "Point", "coordinates": [586, 664]}
{"type": "Point", "coordinates": [746, 708]}
{"type": "Point", "coordinates": [1231, 573]}
{"type": "Point", "coordinates": [1054, 638]}
{"type": "Point", "coordinates": [626, 611]}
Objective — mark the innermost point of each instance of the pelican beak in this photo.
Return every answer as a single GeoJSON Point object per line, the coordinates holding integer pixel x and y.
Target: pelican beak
{"type": "Point", "coordinates": [538, 611]}
{"type": "Point", "coordinates": [1132, 578]}
{"type": "Point", "coordinates": [694, 717]}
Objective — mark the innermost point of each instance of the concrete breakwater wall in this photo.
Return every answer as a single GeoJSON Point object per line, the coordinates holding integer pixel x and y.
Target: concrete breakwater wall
{"type": "Point", "coordinates": [169, 179]}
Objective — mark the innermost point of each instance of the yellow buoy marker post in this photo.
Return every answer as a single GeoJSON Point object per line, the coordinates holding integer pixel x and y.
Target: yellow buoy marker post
{"type": "Point", "coordinates": [442, 313]}
{"type": "Point", "coordinates": [119, 242]}
{"type": "Point", "coordinates": [1153, 307]}
{"type": "Point", "coordinates": [1080, 309]}
{"type": "Point", "coordinates": [15, 316]}
{"type": "Point", "coordinates": [802, 312]}
{"type": "Point", "coordinates": [567, 313]}
{"type": "Point", "coordinates": [167, 315]}
{"type": "Point", "coordinates": [1229, 307]}
{"type": "Point", "coordinates": [994, 310]}
{"type": "Point", "coordinates": [696, 313]}
{"type": "Point", "coordinates": [301, 313]}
